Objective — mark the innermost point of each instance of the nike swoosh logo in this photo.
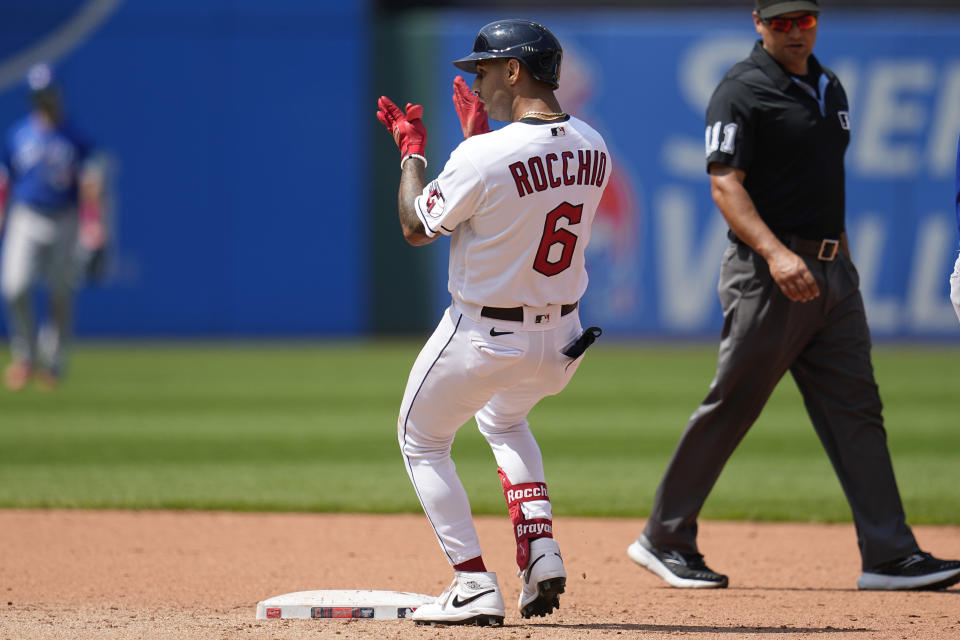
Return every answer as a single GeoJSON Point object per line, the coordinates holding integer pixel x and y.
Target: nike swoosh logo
{"type": "Point", "coordinates": [912, 560]}
{"type": "Point", "coordinates": [457, 602]}
{"type": "Point", "coordinates": [680, 562]}
{"type": "Point", "coordinates": [495, 333]}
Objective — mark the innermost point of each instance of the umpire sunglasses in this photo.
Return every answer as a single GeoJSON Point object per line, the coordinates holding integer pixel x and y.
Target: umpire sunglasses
{"type": "Point", "coordinates": [803, 23]}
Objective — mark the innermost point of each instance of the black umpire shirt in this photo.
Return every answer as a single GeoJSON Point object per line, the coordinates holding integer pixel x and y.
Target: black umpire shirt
{"type": "Point", "coordinates": [788, 135]}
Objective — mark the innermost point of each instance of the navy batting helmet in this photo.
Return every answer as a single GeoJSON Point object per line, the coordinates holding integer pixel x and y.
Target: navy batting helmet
{"type": "Point", "coordinates": [529, 42]}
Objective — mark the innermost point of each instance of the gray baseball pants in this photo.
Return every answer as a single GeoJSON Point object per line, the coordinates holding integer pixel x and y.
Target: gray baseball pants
{"type": "Point", "coordinates": [825, 344]}
{"type": "Point", "coordinates": [39, 247]}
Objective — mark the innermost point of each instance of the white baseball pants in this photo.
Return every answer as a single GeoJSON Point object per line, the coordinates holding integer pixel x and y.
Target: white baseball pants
{"type": "Point", "coordinates": [39, 246]}
{"type": "Point", "coordinates": [495, 371]}
{"type": "Point", "coordinates": [955, 287]}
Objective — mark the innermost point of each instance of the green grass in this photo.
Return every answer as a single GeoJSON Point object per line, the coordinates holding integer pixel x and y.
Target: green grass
{"type": "Point", "coordinates": [312, 426]}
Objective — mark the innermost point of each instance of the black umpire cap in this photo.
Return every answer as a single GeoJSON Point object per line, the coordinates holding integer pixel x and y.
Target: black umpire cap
{"type": "Point", "coordinates": [770, 8]}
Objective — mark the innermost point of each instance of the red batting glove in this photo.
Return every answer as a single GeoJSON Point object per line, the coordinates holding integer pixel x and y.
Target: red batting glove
{"type": "Point", "coordinates": [407, 128]}
{"type": "Point", "coordinates": [92, 235]}
{"type": "Point", "coordinates": [473, 116]}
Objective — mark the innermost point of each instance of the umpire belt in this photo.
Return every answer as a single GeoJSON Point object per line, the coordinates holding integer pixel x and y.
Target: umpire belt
{"type": "Point", "coordinates": [515, 314]}
{"type": "Point", "coordinates": [825, 249]}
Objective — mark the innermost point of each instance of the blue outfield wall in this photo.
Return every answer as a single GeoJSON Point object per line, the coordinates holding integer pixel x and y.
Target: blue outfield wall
{"type": "Point", "coordinates": [644, 79]}
{"type": "Point", "coordinates": [238, 139]}
{"type": "Point", "coordinates": [240, 133]}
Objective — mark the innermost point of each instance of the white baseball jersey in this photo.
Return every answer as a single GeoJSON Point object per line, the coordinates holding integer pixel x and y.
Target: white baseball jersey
{"type": "Point", "coordinates": [518, 203]}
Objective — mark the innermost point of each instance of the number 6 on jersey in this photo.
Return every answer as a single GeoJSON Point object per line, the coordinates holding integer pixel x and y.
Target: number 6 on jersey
{"type": "Point", "coordinates": [553, 235]}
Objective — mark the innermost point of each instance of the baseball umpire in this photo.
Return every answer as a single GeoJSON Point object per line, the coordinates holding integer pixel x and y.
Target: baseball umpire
{"type": "Point", "coordinates": [777, 129]}
{"type": "Point", "coordinates": [56, 203]}
{"type": "Point", "coordinates": [517, 203]}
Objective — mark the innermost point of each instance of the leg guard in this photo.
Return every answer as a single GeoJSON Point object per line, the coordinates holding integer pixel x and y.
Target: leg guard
{"type": "Point", "coordinates": [525, 528]}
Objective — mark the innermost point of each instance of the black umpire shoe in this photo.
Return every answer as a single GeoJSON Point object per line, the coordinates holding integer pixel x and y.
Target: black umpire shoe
{"type": "Point", "coordinates": [684, 570]}
{"type": "Point", "coordinates": [919, 571]}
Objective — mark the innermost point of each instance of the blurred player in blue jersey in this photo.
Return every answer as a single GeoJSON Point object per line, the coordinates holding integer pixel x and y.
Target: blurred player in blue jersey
{"type": "Point", "coordinates": [955, 277]}
{"type": "Point", "coordinates": [54, 210]}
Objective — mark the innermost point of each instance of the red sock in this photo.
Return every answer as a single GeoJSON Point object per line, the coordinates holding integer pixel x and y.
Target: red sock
{"type": "Point", "coordinates": [473, 564]}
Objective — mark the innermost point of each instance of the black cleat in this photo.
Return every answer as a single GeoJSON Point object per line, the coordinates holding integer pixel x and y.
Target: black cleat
{"type": "Point", "coordinates": [683, 570]}
{"type": "Point", "coordinates": [548, 598]}
{"type": "Point", "coordinates": [918, 571]}
{"type": "Point", "coordinates": [543, 580]}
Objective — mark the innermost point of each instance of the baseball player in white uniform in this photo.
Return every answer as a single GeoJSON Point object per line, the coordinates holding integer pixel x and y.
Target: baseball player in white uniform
{"type": "Point", "coordinates": [518, 203]}
{"type": "Point", "coordinates": [955, 276]}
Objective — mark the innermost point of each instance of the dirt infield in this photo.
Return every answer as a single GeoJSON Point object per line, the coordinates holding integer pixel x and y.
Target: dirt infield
{"type": "Point", "coordinates": [126, 575]}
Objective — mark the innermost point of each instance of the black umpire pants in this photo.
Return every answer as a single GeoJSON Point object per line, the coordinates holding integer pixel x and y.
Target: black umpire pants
{"type": "Point", "coordinates": [825, 344]}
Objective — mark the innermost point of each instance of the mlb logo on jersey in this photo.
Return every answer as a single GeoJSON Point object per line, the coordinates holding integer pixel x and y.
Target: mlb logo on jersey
{"type": "Point", "coordinates": [844, 120]}
{"type": "Point", "coordinates": [558, 131]}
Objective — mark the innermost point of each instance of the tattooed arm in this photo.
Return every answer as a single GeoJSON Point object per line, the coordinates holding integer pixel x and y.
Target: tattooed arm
{"type": "Point", "coordinates": [412, 182]}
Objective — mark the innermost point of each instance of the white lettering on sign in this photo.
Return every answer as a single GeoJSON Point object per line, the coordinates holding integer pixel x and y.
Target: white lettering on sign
{"type": "Point", "coordinates": [925, 305]}
{"type": "Point", "coordinates": [893, 117]}
{"type": "Point", "coordinates": [928, 305]}
{"type": "Point", "coordinates": [942, 148]}
{"type": "Point", "coordinates": [705, 63]}
{"type": "Point", "coordinates": [868, 239]}
{"type": "Point", "coordinates": [687, 272]}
